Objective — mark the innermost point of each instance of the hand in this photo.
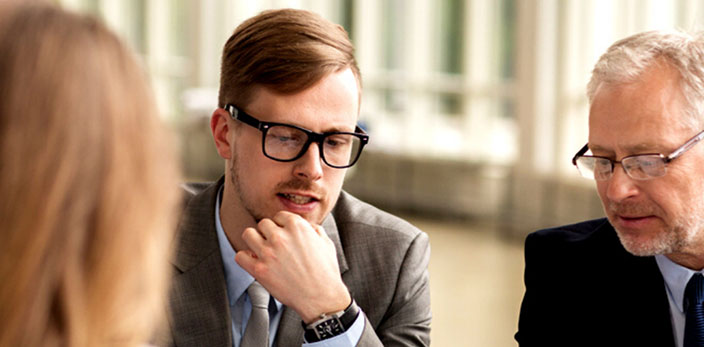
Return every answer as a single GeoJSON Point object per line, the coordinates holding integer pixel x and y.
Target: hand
{"type": "Point", "coordinates": [296, 262]}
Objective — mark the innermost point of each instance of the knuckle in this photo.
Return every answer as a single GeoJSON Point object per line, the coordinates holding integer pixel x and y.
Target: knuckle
{"type": "Point", "coordinates": [267, 255]}
{"type": "Point", "coordinates": [284, 215]}
{"type": "Point", "coordinates": [292, 218]}
{"type": "Point", "coordinates": [247, 234]}
{"type": "Point", "coordinates": [301, 223]}
{"type": "Point", "coordinates": [275, 238]}
{"type": "Point", "coordinates": [260, 270]}
{"type": "Point", "coordinates": [264, 223]}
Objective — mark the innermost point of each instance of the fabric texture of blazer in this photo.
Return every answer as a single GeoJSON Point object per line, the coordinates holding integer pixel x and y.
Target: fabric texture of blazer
{"type": "Point", "coordinates": [383, 261]}
{"type": "Point", "coordinates": [584, 289]}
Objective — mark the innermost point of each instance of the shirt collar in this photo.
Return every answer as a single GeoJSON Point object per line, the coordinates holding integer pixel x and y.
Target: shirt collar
{"type": "Point", "coordinates": [676, 277]}
{"type": "Point", "coordinates": [236, 278]}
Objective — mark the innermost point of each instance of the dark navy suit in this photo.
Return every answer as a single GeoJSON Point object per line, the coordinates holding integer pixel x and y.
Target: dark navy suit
{"type": "Point", "coordinates": [584, 289]}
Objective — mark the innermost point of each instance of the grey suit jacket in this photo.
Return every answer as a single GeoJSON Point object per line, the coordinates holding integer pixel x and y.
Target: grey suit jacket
{"type": "Point", "coordinates": [383, 261]}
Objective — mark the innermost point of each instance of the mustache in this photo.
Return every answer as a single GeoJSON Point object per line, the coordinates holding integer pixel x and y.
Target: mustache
{"type": "Point", "coordinates": [632, 209]}
{"type": "Point", "coordinates": [304, 185]}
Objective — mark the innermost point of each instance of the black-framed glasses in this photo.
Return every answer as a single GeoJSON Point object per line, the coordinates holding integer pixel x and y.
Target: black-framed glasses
{"type": "Point", "coordinates": [638, 167]}
{"type": "Point", "coordinates": [286, 142]}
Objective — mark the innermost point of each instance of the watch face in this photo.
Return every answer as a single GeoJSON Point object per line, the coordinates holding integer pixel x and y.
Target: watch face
{"type": "Point", "coordinates": [329, 328]}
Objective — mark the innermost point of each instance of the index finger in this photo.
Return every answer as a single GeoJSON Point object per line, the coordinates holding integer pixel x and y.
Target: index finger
{"type": "Point", "coordinates": [266, 227]}
{"type": "Point", "coordinates": [284, 218]}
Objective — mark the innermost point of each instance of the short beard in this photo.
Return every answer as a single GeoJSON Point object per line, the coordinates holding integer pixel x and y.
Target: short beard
{"type": "Point", "coordinates": [674, 239]}
{"type": "Point", "coordinates": [666, 242]}
{"type": "Point", "coordinates": [244, 202]}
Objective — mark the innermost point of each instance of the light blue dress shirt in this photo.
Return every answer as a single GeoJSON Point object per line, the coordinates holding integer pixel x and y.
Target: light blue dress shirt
{"type": "Point", "coordinates": [238, 280]}
{"type": "Point", "coordinates": [676, 277]}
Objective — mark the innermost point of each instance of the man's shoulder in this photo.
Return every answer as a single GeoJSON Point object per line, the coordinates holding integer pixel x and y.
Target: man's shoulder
{"type": "Point", "coordinates": [578, 233]}
{"type": "Point", "coordinates": [586, 246]}
{"type": "Point", "coordinates": [353, 213]}
{"type": "Point", "coordinates": [199, 193]}
{"type": "Point", "coordinates": [191, 189]}
{"type": "Point", "coordinates": [196, 228]}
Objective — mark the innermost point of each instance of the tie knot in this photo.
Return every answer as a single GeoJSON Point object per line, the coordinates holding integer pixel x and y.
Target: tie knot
{"type": "Point", "coordinates": [258, 295]}
{"type": "Point", "coordinates": [694, 292]}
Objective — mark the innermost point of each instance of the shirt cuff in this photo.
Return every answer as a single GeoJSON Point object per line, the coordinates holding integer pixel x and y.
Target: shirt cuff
{"type": "Point", "coordinates": [349, 338]}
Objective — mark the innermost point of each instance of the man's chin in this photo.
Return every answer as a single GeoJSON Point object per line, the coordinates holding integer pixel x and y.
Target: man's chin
{"type": "Point", "coordinates": [645, 245]}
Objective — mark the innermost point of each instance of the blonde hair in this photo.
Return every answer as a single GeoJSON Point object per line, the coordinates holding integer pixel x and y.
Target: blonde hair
{"type": "Point", "coordinates": [88, 185]}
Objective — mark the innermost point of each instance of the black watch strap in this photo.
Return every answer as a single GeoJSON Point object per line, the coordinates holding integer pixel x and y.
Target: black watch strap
{"type": "Point", "coordinates": [331, 325]}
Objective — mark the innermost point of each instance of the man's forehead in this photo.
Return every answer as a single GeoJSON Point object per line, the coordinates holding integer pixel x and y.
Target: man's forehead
{"type": "Point", "coordinates": [634, 146]}
{"type": "Point", "coordinates": [315, 113]}
{"type": "Point", "coordinates": [637, 137]}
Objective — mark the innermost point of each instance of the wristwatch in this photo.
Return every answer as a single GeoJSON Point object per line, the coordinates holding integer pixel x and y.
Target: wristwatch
{"type": "Point", "coordinates": [331, 324]}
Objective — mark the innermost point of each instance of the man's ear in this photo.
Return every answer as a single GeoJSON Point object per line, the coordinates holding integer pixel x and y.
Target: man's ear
{"type": "Point", "coordinates": [221, 130]}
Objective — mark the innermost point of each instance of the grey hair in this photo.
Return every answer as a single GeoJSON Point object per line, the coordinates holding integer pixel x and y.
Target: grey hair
{"type": "Point", "coordinates": [626, 60]}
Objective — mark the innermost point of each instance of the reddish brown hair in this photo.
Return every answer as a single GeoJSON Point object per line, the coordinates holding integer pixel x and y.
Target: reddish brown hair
{"type": "Point", "coordinates": [284, 50]}
{"type": "Point", "coordinates": [88, 181]}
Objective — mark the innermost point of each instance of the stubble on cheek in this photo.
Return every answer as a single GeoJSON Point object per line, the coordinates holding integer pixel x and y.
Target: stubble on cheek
{"type": "Point", "coordinates": [242, 197]}
{"type": "Point", "coordinates": [676, 234]}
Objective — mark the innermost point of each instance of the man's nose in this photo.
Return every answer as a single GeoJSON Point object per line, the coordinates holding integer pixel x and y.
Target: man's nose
{"type": "Point", "coordinates": [310, 165]}
{"type": "Point", "coordinates": [620, 186]}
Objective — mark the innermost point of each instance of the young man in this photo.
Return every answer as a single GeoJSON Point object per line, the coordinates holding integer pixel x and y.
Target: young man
{"type": "Point", "coordinates": [329, 269]}
{"type": "Point", "coordinates": [633, 279]}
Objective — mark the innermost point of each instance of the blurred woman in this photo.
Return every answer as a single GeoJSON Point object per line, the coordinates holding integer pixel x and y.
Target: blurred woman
{"type": "Point", "coordinates": [88, 185]}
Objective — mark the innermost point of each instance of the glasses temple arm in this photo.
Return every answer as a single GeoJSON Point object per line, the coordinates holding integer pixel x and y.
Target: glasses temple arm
{"type": "Point", "coordinates": [242, 116]}
{"type": "Point", "coordinates": [580, 153]}
{"type": "Point", "coordinates": [689, 144]}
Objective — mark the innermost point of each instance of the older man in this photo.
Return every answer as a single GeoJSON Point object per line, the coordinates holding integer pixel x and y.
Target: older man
{"type": "Point", "coordinates": [634, 278]}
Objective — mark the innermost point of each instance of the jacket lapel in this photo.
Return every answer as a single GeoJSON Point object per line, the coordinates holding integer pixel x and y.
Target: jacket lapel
{"type": "Point", "coordinates": [201, 313]}
{"type": "Point", "coordinates": [331, 229]}
{"type": "Point", "coordinates": [656, 306]}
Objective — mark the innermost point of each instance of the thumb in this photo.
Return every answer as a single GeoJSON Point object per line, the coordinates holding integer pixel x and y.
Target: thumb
{"type": "Point", "coordinates": [320, 230]}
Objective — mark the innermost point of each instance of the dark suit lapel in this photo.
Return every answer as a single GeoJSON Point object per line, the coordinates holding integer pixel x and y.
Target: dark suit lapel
{"type": "Point", "coordinates": [201, 313]}
{"type": "Point", "coordinates": [657, 326]}
{"type": "Point", "coordinates": [290, 331]}
{"type": "Point", "coordinates": [639, 290]}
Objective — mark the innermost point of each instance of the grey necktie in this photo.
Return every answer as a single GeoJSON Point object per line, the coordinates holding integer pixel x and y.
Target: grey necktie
{"type": "Point", "coordinates": [257, 332]}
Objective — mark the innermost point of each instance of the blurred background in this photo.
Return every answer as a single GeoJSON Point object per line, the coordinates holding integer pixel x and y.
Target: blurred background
{"type": "Point", "coordinates": [475, 109]}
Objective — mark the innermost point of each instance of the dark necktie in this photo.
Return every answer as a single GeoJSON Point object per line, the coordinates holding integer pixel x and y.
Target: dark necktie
{"type": "Point", "coordinates": [257, 332]}
{"type": "Point", "coordinates": [694, 321]}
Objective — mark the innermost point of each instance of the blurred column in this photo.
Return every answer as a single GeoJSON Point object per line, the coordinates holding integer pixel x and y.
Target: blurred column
{"type": "Point", "coordinates": [76, 5]}
{"type": "Point", "coordinates": [572, 76]}
{"type": "Point", "coordinates": [367, 39]}
{"type": "Point", "coordinates": [209, 37]}
{"type": "Point", "coordinates": [416, 54]}
{"type": "Point", "coordinates": [480, 75]}
{"type": "Point", "coordinates": [535, 111]}
{"type": "Point", "coordinates": [688, 14]}
{"type": "Point", "coordinates": [536, 84]}
{"type": "Point", "coordinates": [118, 13]}
{"type": "Point", "coordinates": [157, 50]}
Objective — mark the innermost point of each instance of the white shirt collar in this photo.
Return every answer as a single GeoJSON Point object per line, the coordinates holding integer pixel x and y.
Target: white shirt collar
{"type": "Point", "coordinates": [236, 278]}
{"type": "Point", "coordinates": [676, 277]}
